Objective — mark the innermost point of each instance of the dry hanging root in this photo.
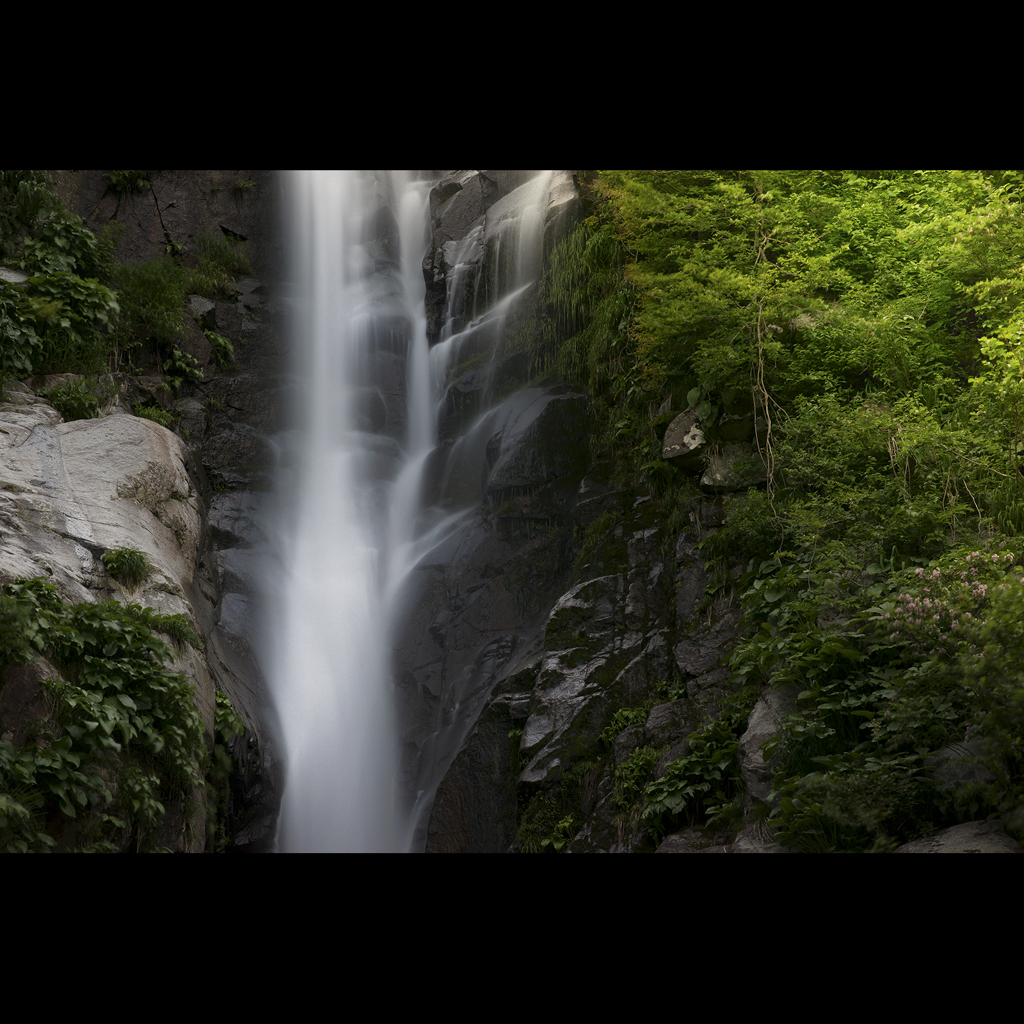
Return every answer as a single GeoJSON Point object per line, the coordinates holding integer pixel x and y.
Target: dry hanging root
{"type": "Point", "coordinates": [761, 395]}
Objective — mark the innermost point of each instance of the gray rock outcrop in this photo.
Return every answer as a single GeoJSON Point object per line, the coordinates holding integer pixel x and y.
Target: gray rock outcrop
{"type": "Point", "coordinates": [969, 837]}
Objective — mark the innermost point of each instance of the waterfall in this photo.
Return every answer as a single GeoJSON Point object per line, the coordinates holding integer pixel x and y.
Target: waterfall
{"type": "Point", "coordinates": [347, 526]}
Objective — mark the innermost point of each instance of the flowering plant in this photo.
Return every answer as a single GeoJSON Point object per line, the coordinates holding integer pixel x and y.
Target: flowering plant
{"type": "Point", "coordinates": [936, 625]}
{"type": "Point", "coordinates": [938, 612]}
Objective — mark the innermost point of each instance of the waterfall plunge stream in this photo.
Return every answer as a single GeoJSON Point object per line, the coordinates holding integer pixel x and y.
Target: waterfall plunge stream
{"type": "Point", "coordinates": [347, 527]}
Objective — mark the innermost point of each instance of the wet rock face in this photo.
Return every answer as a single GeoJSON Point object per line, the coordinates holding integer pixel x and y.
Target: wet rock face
{"type": "Point", "coordinates": [476, 600]}
{"type": "Point", "coordinates": [625, 626]}
{"type": "Point", "coordinates": [458, 204]}
{"type": "Point", "coordinates": [609, 643]}
{"type": "Point", "coordinates": [72, 491]}
{"type": "Point", "coordinates": [509, 461]}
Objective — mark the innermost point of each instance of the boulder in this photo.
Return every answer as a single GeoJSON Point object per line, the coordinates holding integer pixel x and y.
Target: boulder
{"type": "Point", "coordinates": [684, 444]}
{"type": "Point", "coordinates": [765, 722]}
{"type": "Point", "coordinates": [734, 466]}
{"type": "Point", "coordinates": [969, 837]}
{"type": "Point", "coordinates": [72, 492]}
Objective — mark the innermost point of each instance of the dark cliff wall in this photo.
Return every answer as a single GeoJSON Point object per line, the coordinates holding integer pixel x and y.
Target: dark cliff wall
{"type": "Point", "coordinates": [224, 417]}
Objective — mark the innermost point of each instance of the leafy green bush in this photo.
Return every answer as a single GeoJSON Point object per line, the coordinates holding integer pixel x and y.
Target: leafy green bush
{"type": "Point", "coordinates": [180, 630]}
{"type": "Point", "coordinates": [54, 323]}
{"type": "Point", "coordinates": [152, 297]}
{"type": "Point", "coordinates": [74, 399]}
{"type": "Point", "coordinates": [218, 260]}
{"type": "Point", "coordinates": [156, 414]}
{"type": "Point", "coordinates": [858, 802]}
{"type": "Point", "coordinates": [128, 566]}
{"type": "Point", "coordinates": [58, 319]}
{"type": "Point", "coordinates": [80, 311]}
{"type": "Point", "coordinates": [223, 350]}
{"type": "Point", "coordinates": [707, 777]}
{"type": "Point", "coordinates": [181, 368]}
{"type": "Point", "coordinates": [993, 663]}
{"type": "Point", "coordinates": [227, 726]}
{"type": "Point", "coordinates": [874, 316]}
{"type": "Point", "coordinates": [22, 322]}
{"type": "Point", "coordinates": [129, 182]}
{"type": "Point", "coordinates": [127, 739]}
{"type": "Point", "coordinates": [41, 235]}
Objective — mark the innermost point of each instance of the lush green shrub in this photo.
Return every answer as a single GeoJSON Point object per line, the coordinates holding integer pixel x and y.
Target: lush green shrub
{"type": "Point", "coordinates": [127, 740]}
{"type": "Point", "coordinates": [223, 350]}
{"type": "Point", "coordinates": [128, 566]}
{"type": "Point", "coordinates": [58, 319]}
{"type": "Point", "coordinates": [129, 182]}
{"type": "Point", "coordinates": [218, 260]}
{"type": "Point", "coordinates": [156, 414]}
{"type": "Point", "coordinates": [22, 322]}
{"type": "Point", "coordinates": [705, 779]}
{"type": "Point", "coordinates": [41, 235]}
{"type": "Point", "coordinates": [181, 368]}
{"type": "Point", "coordinates": [152, 297]}
{"type": "Point", "coordinates": [74, 399]}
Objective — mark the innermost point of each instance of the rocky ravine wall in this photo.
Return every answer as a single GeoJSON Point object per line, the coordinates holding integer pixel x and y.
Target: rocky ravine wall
{"type": "Point", "coordinates": [514, 660]}
{"type": "Point", "coordinates": [521, 646]}
{"type": "Point", "coordinates": [189, 499]}
{"type": "Point", "coordinates": [516, 651]}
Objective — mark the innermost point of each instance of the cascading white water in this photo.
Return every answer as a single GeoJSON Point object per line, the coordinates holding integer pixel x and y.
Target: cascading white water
{"type": "Point", "coordinates": [338, 524]}
{"type": "Point", "coordinates": [346, 530]}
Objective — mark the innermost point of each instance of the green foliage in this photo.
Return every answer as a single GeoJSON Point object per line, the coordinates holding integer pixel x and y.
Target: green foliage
{"type": "Point", "coordinates": [125, 183]}
{"type": "Point", "coordinates": [74, 399]}
{"type": "Point", "coordinates": [228, 726]}
{"type": "Point", "coordinates": [156, 414]}
{"type": "Point", "coordinates": [623, 718]}
{"type": "Point", "coordinates": [562, 835]}
{"type": "Point", "coordinates": [41, 235]}
{"type": "Point", "coordinates": [218, 260]}
{"type": "Point", "coordinates": [127, 740]}
{"type": "Point", "coordinates": [857, 802]}
{"type": "Point", "coordinates": [590, 303]}
{"type": "Point", "coordinates": [705, 778]}
{"type": "Point", "coordinates": [633, 776]}
{"type": "Point", "coordinates": [152, 296]}
{"type": "Point", "coordinates": [58, 319]}
{"type": "Point", "coordinates": [181, 368]}
{"type": "Point", "coordinates": [871, 319]}
{"type": "Point", "coordinates": [992, 660]}
{"type": "Point", "coordinates": [128, 566]}
{"type": "Point", "coordinates": [892, 682]}
{"type": "Point", "coordinates": [180, 630]}
{"type": "Point", "coordinates": [54, 323]}
{"type": "Point", "coordinates": [22, 327]}
{"type": "Point", "coordinates": [223, 350]}
{"type": "Point", "coordinates": [24, 197]}
{"type": "Point", "coordinates": [550, 819]}
{"type": "Point", "coordinates": [78, 312]}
